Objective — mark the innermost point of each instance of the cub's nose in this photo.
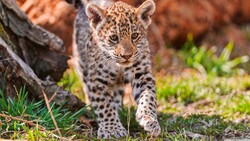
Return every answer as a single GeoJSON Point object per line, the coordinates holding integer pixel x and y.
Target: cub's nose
{"type": "Point", "coordinates": [127, 56]}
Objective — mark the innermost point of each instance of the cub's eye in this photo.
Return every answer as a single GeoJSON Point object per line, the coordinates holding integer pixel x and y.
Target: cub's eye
{"type": "Point", "coordinates": [134, 35]}
{"type": "Point", "coordinates": [114, 37]}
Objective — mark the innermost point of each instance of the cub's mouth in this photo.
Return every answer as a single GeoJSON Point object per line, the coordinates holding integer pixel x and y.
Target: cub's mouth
{"type": "Point", "coordinates": [126, 63]}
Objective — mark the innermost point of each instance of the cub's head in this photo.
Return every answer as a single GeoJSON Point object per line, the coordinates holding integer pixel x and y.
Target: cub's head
{"type": "Point", "coordinates": [122, 29]}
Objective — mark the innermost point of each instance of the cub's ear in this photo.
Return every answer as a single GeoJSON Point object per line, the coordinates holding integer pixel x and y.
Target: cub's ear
{"type": "Point", "coordinates": [95, 14]}
{"type": "Point", "coordinates": [145, 11]}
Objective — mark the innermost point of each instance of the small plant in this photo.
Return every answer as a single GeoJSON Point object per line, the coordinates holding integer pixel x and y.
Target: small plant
{"type": "Point", "coordinates": [207, 62]}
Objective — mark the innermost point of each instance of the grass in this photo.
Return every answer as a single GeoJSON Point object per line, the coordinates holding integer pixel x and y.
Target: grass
{"type": "Point", "coordinates": [189, 88]}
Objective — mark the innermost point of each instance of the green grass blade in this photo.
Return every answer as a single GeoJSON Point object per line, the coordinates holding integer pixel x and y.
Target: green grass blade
{"type": "Point", "coordinates": [226, 52]}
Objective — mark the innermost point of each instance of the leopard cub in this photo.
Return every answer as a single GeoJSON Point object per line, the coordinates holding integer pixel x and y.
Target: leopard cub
{"type": "Point", "coordinates": [111, 49]}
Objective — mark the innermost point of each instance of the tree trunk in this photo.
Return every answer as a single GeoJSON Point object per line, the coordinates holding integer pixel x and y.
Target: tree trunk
{"type": "Point", "coordinates": [31, 56]}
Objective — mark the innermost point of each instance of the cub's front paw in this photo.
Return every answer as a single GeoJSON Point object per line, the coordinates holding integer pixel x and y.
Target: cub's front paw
{"type": "Point", "coordinates": [106, 132]}
{"type": "Point", "coordinates": [150, 124]}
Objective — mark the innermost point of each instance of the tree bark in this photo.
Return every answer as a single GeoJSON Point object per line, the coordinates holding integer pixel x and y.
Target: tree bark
{"type": "Point", "coordinates": [31, 55]}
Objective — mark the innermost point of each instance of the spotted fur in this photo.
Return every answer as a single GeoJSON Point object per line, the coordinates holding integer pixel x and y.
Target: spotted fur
{"type": "Point", "coordinates": [111, 49]}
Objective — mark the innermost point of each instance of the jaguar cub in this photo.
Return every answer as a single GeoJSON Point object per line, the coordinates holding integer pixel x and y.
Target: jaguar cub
{"type": "Point", "coordinates": [111, 49]}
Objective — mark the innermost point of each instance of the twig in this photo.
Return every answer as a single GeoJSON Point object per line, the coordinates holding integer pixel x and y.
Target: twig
{"type": "Point", "coordinates": [129, 112]}
{"type": "Point", "coordinates": [128, 120]}
{"type": "Point", "coordinates": [51, 114]}
{"type": "Point", "coordinates": [52, 97]}
{"type": "Point", "coordinates": [23, 120]}
{"type": "Point", "coordinates": [6, 132]}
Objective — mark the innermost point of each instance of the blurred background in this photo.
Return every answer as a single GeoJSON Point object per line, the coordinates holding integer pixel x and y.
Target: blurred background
{"type": "Point", "coordinates": [211, 23]}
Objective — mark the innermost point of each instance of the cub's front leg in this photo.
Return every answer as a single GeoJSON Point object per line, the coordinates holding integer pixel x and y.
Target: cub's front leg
{"type": "Point", "coordinates": [145, 97]}
{"type": "Point", "coordinates": [106, 109]}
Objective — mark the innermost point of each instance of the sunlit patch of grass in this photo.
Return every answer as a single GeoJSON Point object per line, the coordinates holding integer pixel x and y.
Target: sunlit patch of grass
{"type": "Point", "coordinates": [235, 105]}
{"type": "Point", "coordinates": [226, 96]}
{"type": "Point", "coordinates": [72, 83]}
{"type": "Point", "coordinates": [193, 87]}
